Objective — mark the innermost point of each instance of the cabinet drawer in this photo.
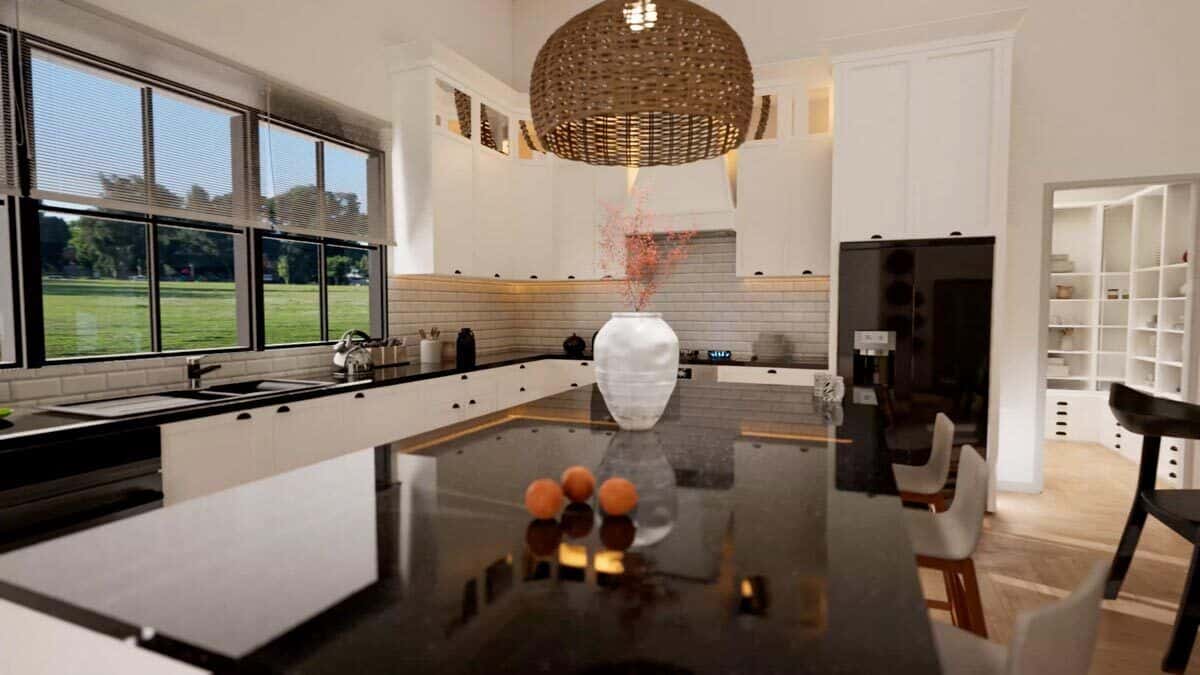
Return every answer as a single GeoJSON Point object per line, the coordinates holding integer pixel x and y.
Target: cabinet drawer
{"type": "Point", "coordinates": [796, 377]}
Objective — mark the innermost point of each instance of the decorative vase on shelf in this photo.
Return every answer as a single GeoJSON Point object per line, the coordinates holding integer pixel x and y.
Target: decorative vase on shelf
{"type": "Point", "coordinates": [637, 363]}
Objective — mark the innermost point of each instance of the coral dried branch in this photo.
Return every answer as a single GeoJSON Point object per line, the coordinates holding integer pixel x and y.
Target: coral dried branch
{"type": "Point", "coordinates": [628, 244]}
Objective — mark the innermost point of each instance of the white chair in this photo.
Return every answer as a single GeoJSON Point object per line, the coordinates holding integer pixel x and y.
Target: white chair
{"type": "Point", "coordinates": [1054, 640]}
{"type": "Point", "coordinates": [924, 484]}
{"type": "Point", "coordinates": [946, 541]}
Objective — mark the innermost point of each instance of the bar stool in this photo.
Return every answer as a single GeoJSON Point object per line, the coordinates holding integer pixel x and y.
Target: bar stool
{"type": "Point", "coordinates": [946, 541]}
{"type": "Point", "coordinates": [1179, 510]}
{"type": "Point", "coordinates": [924, 484]}
{"type": "Point", "coordinates": [1054, 640]}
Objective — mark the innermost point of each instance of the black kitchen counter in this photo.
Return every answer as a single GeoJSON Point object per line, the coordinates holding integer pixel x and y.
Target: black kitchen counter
{"type": "Point", "coordinates": [28, 426]}
{"type": "Point", "coordinates": [768, 538]}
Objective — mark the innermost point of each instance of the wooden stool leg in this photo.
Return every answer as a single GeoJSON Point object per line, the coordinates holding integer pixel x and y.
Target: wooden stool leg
{"type": "Point", "coordinates": [1125, 549]}
{"type": "Point", "coordinates": [951, 582]}
{"type": "Point", "coordinates": [1187, 620]}
{"type": "Point", "coordinates": [974, 603]}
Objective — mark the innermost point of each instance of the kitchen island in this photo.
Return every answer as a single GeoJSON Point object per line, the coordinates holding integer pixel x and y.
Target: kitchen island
{"type": "Point", "coordinates": [768, 538]}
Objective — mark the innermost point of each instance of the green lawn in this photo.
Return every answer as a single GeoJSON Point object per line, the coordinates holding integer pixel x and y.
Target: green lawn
{"type": "Point", "coordinates": [85, 317]}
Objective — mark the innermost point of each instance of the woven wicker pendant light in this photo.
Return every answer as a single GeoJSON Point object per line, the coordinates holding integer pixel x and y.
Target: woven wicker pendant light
{"type": "Point", "coordinates": [642, 83]}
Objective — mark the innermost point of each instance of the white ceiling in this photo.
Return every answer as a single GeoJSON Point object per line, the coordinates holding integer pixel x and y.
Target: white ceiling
{"type": "Point", "coordinates": [332, 49]}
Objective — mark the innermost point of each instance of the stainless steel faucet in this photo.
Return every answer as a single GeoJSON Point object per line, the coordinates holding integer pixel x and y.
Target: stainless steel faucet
{"type": "Point", "coordinates": [195, 372]}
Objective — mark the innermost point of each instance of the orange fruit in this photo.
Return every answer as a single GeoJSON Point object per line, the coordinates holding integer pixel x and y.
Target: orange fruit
{"type": "Point", "coordinates": [578, 483]}
{"type": "Point", "coordinates": [618, 496]}
{"type": "Point", "coordinates": [543, 498]}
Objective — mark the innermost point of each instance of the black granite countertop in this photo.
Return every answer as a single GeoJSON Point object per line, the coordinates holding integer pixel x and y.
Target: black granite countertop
{"type": "Point", "coordinates": [768, 538]}
{"type": "Point", "coordinates": [28, 426]}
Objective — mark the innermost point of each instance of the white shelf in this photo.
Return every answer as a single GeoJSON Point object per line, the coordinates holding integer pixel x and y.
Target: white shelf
{"type": "Point", "coordinates": [1171, 364]}
{"type": "Point", "coordinates": [1174, 266]}
{"type": "Point", "coordinates": [1071, 274]}
{"type": "Point", "coordinates": [1071, 325]}
{"type": "Point", "coordinates": [1071, 299]}
{"type": "Point", "coordinates": [1145, 359]}
{"type": "Point", "coordinates": [1069, 378]}
{"type": "Point", "coordinates": [1171, 331]}
{"type": "Point", "coordinates": [1071, 351]}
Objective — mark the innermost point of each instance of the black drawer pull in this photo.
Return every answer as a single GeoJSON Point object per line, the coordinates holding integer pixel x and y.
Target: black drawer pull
{"type": "Point", "coordinates": [360, 395]}
{"type": "Point", "coordinates": [522, 388]}
{"type": "Point", "coordinates": [956, 233]}
{"type": "Point", "coordinates": [1062, 403]}
{"type": "Point", "coordinates": [532, 276]}
{"type": "Point", "coordinates": [772, 371]}
{"type": "Point", "coordinates": [283, 409]}
{"type": "Point", "coordinates": [496, 275]}
{"type": "Point", "coordinates": [1173, 463]}
{"type": "Point", "coordinates": [806, 272]}
{"type": "Point", "coordinates": [584, 364]}
{"type": "Point", "coordinates": [471, 402]}
{"type": "Point", "coordinates": [570, 276]}
{"type": "Point", "coordinates": [1118, 446]}
{"type": "Point", "coordinates": [244, 416]}
{"type": "Point", "coordinates": [1060, 433]}
{"type": "Point", "coordinates": [455, 406]}
{"type": "Point", "coordinates": [877, 236]}
{"type": "Point", "coordinates": [458, 271]}
{"type": "Point", "coordinates": [1061, 413]}
{"type": "Point", "coordinates": [1060, 424]}
{"type": "Point", "coordinates": [1172, 475]}
{"type": "Point", "coordinates": [758, 274]}
{"type": "Point", "coordinates": [574, 385]}
{"type": "Point", "coordinates": [1174, 448]}
{"type": "Point", "coordinates": [465, 377]}
{"type": "Point", "coordinates": [522, 366]}
{"type": "Point", "coordinates": [1118, 434]}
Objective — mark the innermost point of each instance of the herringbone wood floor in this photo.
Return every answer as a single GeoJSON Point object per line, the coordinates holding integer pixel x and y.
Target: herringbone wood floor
{"type": "Point", "coordinates": [1038, 547]}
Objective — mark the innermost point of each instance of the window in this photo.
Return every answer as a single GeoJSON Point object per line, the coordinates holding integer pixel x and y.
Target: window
{"type": "Point", "coordinates": [8, 286]}
{"type": "Point", "coordinates": [101, 295]}
{"type": "Point", "coordinates": [149, 206]}
{"type": "Point", "coordinates": [348, 275]}
{"type": "Point", "coordinates": [307, 300]}
{"type": "Point", "coordinates": [95, 289]}
{"type": "Point", "coordinates": [316, 187]}
{"type": "Point", "coordinates": [198, 299]}
{"type": "Point", "coordinates": [291, 291]}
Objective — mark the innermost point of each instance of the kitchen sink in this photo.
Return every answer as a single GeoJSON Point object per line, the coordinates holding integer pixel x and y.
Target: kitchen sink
{"type": "Point", "coordinates": [138, 405]}
{"type": "Point", "coordinates": [128, 406]}
{"type": "Point", "coordinates": [256, 387]}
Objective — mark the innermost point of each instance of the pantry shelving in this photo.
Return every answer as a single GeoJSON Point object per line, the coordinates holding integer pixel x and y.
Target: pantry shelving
{"type": "Point", "coordinates": [1119, 292]}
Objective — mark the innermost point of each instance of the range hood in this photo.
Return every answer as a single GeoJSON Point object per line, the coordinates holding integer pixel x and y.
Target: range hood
{"type": "Point", "coordinates": [696, 196]}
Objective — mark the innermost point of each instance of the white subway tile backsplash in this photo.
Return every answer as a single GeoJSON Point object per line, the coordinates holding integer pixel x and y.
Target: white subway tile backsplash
{"type": "Point", "coordinates": [127, 379]}
{"type": "Point", "coordinates": [30, 389]}
{"type": "Point", "coordinates": [84, 384]}
{"type": "Point", "coordinates": [5, 392]}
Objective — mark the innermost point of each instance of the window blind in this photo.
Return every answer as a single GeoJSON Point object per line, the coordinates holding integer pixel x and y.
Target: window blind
{"type": "Point", "coordinates": [107, 140]}
{"type": "Point", "coordinates": [8, 166]}
{"type": "Point", "coordinates": [314, 186]}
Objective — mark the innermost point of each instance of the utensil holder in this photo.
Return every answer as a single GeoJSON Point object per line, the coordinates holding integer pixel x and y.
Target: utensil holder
{"type": "Point", "coordinates": [431, 351]}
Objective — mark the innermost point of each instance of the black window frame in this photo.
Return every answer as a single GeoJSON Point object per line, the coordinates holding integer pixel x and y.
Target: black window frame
{"type": "Point", "coordinates": [23, 221]}
{"type": "Point", "coordinates": [35, 338]}
{"type": "Point", "coordinates": [377, 287]}
{"type": "Point", "coordinates": [13, 302]}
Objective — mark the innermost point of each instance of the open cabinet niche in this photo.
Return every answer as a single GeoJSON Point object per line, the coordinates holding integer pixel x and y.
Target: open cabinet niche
{"type": "Point", "coordinates": [1120, 306]}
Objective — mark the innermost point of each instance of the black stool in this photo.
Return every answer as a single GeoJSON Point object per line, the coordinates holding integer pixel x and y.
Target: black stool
{"type": "Point", "coordinates": [1179, 510]}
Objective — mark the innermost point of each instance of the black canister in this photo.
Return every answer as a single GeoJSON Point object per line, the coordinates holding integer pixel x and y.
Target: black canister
{"type": "Point", "coordinates": [464, 349]}
{"type": "Point", "coordinates": [574, 346]}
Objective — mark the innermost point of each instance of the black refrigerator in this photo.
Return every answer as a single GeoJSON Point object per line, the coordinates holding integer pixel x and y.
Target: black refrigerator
{"type": "Point", "coordinates": [934, 296]}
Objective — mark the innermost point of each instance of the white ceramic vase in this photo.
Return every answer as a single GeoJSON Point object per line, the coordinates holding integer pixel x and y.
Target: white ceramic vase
{"type": "Point", "coordinates": [637, 363]}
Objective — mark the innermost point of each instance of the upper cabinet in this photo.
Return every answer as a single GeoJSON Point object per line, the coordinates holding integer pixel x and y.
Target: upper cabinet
{"type": "Point", "coordinates": [921, 145]}
{"type": "Point", "coordinates": [782, 175]}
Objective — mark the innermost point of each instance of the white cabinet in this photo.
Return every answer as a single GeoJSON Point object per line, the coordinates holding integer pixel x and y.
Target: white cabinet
{"type": "Point", "coordinates": [495, 248]}
{"type": "Point", "coordinates": [382, 414]}
{"type": "Point", "coordinates": [531, 240]}
{"type": "Point", "coordinates": [921, 141]}
{"type": "Point", "coordinates": [210, 454]}
{"type": "Point", "coordinates": [453, 228]}
{"type": "Point", "coordinates": [782, 215]}
{"type": "Point", "coordinates": [306, 432]}
{"type": "Point", "coordinates": [579, 194]}
{"type": "Point", "coordinates": [796, 377]}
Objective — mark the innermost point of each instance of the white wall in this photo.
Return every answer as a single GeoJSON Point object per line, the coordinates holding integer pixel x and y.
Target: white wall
{"type": "Point", "coordinates": [332, 49]}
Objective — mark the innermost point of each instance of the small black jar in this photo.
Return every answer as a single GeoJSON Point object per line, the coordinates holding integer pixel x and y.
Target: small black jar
{"type": "Point", "coordinates": [464, 349]}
